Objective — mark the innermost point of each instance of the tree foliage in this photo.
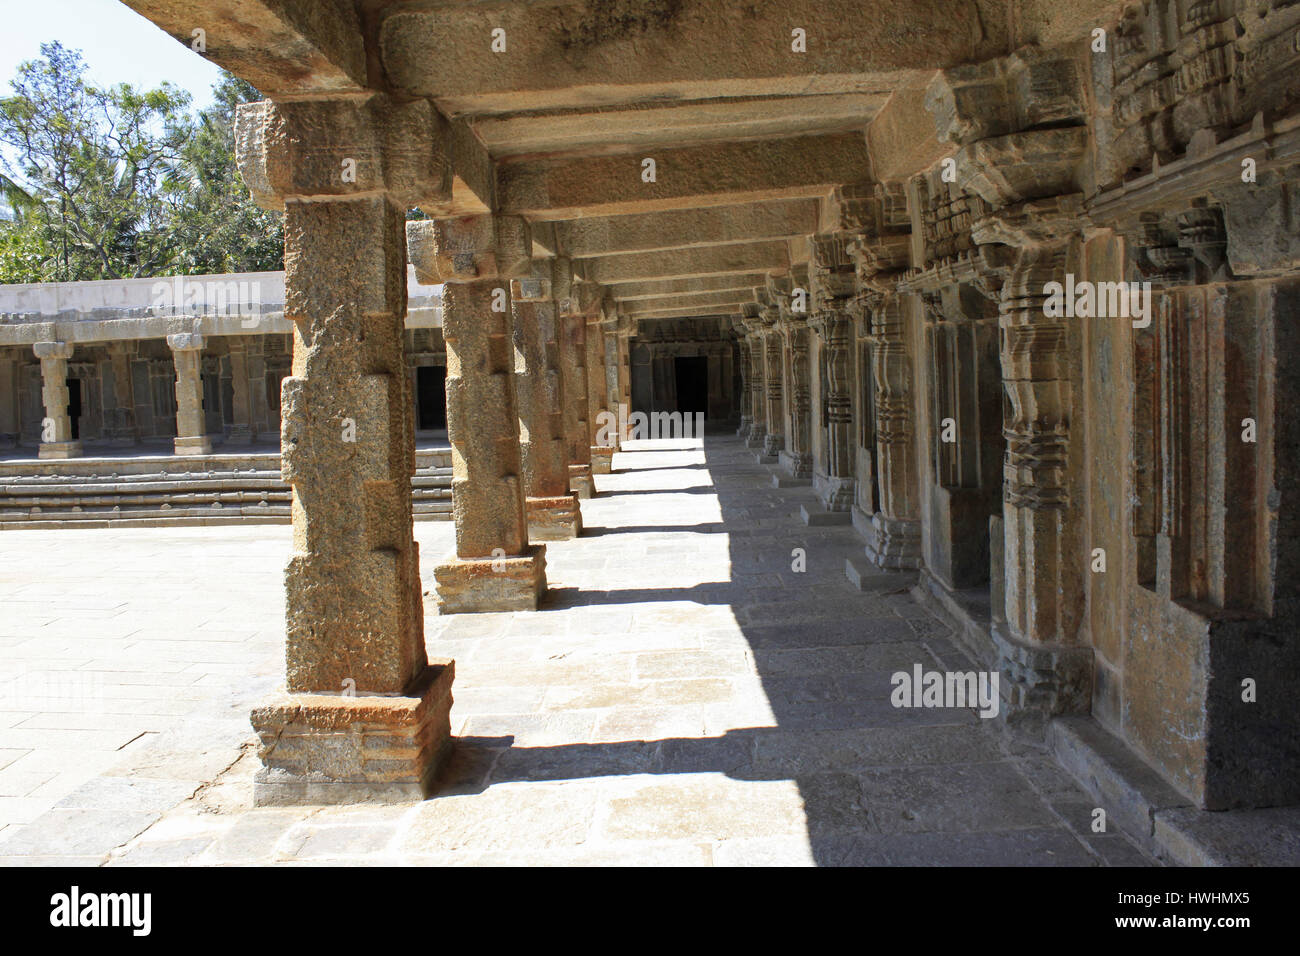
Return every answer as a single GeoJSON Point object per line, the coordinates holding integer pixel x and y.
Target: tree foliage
{"type": "Point", "coordinates": [105, 183]}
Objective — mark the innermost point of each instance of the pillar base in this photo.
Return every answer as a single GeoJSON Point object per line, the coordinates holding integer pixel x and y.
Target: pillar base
{"type": "Point", "coordinates": [580, 482]}
{"type": "Point", "coordinates": [772, 443]}
{"type": "Point", "coordinates": [743, 430]}
{"type": "Point", "coordinates": [755, 436]}
{"type": "Point", "coordinates": [894, 544]}
{"type": "Point", "coordinates": [553, 519]}
{"type": "Point", "coordinates": [602, 460]}
{"type": "Point", "coordinates": [512, 583]}
{"type": "Point", "coordinates": [240, 435]}
{"type": "Point", "coordinates": [328, 749]}
{"type": "Point", "coordinates": [199, 445]}
{"type": "Point", "coordinates": [60, 449]}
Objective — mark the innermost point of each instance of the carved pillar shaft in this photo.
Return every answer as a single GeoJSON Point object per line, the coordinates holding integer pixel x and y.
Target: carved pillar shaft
{"type": "Point", "coordinates": [552, 510]}
{"type": "Point", "coordinates": [56, 428]}
{"type": "Point", "coordinates": [896, 526]}
{"type": "Point", "coordinates": [187, 355]}
{"type": "Point", "coordinates": [120, 419]}
{"type": "Point", "coordinates": [837, 491]}
{"type": "Point", "coordinates": [774, 381]}
{"type": "Point", "coordinates": [799, 441]}
{"type": "Point", "coordinates": [757, 393]}
{"type": "Point", "coordinates": [599, 417]}
{"type": "Point", "coordinates": [746, 418]}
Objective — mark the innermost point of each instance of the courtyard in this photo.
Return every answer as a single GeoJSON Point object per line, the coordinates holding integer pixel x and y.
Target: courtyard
{"type": "Point", "coordinates": [685, 696]}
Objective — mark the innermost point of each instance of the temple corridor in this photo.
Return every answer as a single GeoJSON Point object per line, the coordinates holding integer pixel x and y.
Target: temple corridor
{"type": "Point", "coordinates": [683, 696]}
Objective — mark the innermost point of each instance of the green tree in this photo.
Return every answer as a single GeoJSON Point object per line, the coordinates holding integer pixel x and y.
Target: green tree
{"type": "Point", "coordinates": [118, 182]}
{"type": "Point", "coordinates": [91, 164]}
{"type": "Point", "coordinates": [218, 228]}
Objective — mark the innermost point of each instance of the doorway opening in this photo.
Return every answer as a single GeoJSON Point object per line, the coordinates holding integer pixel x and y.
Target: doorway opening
{"type": "Point", "coordinates": [74, 406]}
{"type": "Point", "coordinates": [692, 375]}
{"type": "Point", "coordinates": [431, 397]}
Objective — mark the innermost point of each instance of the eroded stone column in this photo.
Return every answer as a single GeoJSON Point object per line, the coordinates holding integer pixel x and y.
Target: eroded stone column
{"type": "Point", "coordinates": [366, 714]}
{"type": "Point", "coordinates": [552, 510]}
{"type": "Point", "coordinates": [833, 282]}
{"type": "Point", "coordinates": [603, 438]}
{"type": "Point", "coordinates": [56, 429]}
{"type": "Point", "coordinates": [494, 567]}
{"type": "Point", "coordinates": [187, 354]}
{"type": "Point", "coordinates": [745, 417]}
{"type": "Point", "coordinates": [573, 366]}
{"type": "Point", "coordinates": [243, 430]}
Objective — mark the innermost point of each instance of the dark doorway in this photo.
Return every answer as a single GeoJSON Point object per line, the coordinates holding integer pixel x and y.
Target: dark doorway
{"type": "Point", "coordinates": [692, 384]}
{"type": "Point", "coordinates": [74, 406]}
{"type": "Point", "coordinates": [431, 396]}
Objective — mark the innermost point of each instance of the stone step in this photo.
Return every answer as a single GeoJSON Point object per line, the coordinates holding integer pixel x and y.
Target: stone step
{"type": "Point", "coordinates": [166, 495]}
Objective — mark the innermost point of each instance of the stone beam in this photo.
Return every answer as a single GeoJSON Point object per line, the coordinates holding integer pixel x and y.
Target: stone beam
{"type": "Point", "coordinates": [716, 312]}
{"type": "Point", "coordinates": [707, 301]}
{"type": "Point", "coordinates": [661, 288]}
{"type": "Point", "coordinates": [282, 47]}
{"type": "Point", "coordinates": [686, 177]}
{"type": "Point", "coordinates": [572, 53]}
{"type": "Point", "coordinates": [687, 228]}
{"type": "Point", "coordinates": [683, 263]}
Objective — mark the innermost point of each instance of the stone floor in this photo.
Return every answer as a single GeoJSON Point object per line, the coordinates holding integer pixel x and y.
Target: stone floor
{"type": "Point", "coordinates": [686, 697]}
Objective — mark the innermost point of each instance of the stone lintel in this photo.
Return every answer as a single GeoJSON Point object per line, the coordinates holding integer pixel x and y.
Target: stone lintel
{"type": "Point", "coordinates": [330, 749]}
{"type": "Point", "coordinates": [504, 583]}
{"type": "Point", "coordinates": [686, 263]}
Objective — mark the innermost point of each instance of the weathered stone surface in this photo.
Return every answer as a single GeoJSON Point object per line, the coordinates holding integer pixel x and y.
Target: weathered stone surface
{"type": "Point", "coordinates": [506, 583]}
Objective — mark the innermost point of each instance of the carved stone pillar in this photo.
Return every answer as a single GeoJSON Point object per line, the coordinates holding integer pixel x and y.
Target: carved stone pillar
{"type": "Point", "coordinates": [10, 424]}
{"type": "Point", "coordinates": [896, 526]}
{"type": "Point", "coordinates": [366, 715]}
{"type": "Point", "coordinates": [494, 567]}
{"type": "Point", "coordinates": [553, 513]}
{"type": "Point", "coordinates": [56, 429]}
{"type": "Point", "coordinates": [746, 418]}
{"type": "Point", "coordinates": [797, 457]}
{"type": "Point", "coordinates": [573, 366]}
{"type": "Point", "coordinates": [602, 438]}
{"type": "Point", "coordinates": [757, 388]}
{"type": "Point", "coordinates": [774, 380]}
{"type": "Point", "coordinates": [191, 433]}
{"type": "Point", "coordinates": [248, 390]}
{"type": "Point", "coordinates": [119, 415]}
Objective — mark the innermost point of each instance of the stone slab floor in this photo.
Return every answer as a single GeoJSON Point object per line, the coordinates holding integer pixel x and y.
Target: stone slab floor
{"type": "Point", "coordinates": [686, 697]}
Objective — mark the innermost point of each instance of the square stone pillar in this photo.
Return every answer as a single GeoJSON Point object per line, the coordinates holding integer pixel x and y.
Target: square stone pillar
{"type": "Point", "coordinates": [553, 512]}
{"type": "Point", "coordinates": [746, 417]}
{"type": "Point", "coordinates": [494, 567]}
{"type": "Point", "coordinates": [56, 429]}
{"type": "Point", "coordinates": [613, 389]}
{"type": "Point", "coordinates": [365, 714]}
{"type": "Point", "coordinates": [191, 435]}
{"type": "Point", "coordinates": [119, 415]}
{"type": "Point", "coordinates": [757, 390]}
{"type": "Point", "coordinates": [10, 425]}
{"type": "Point", "coordinates": [796, 457]}
{"type": "Point", "coordinates": [242, 429]}
{"type": "Point", "coordinates": [573, 366]}
{"type": "Point", "coordinates": [598, 412]}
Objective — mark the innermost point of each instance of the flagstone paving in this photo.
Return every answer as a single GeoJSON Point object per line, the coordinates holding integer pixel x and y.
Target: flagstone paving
{"type": "Point", "coordinates": [703, 686]}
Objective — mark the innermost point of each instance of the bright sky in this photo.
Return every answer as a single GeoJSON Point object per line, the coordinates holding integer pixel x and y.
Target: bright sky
{"type": "Point", "coordinates": [118, 45]}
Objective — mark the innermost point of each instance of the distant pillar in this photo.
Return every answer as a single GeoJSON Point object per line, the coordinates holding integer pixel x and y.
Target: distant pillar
{"type": "Point", "coordinates": [56, 429]}
{"type": "Point", "coordinates": [191, 434]}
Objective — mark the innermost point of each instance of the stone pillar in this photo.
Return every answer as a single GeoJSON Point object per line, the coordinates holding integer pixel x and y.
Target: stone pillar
{"type": "Point", "coordinates": [553, 512]}
{"type": "Point", "coordinates": [757, 392]}
{"type": "Point", "coordinates": [746, 418]}
{"type": "Point", "coordinates": [621, 339]}
{"type": "Point", "coordinates": [895, 539]}
{"type": "Point", "coordinates": [603, 437]}
{"type": "Point", "coordinates": [572, 335]}
{"type": "Point", "coordinates": [243, 428]}
{"type": "Point", "coordinates": [365, 715]}
{"type": "Point", "coordinates": [56, 429]}
{"type": "Point", "coordinates": [494, 567]}
{"type": "Point", "coordinates": [613, 387]}
{"type": "Point", "coordinates": [774, 379]}
{"type": "Point", "coordinates": [10, 424]}
{"type": "Point", "coordinates": [119, 418]}
{"type": "Point", "coordinates": [191, 435]}
{"type": "Point", "coordinates": [796, 457]}
{"type": "Point", "coordinates": [833, 283]}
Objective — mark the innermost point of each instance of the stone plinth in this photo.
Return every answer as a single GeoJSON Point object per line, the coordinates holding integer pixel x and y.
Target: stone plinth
{"type": "Point", "coordinates": [329, 749]}
{"type": "Point", "coordinates": [553, 519]}
{"type": "Point", "coordinates": [60, 449]}
{"type": "Point", "coordinates": [504, 583]}
{"type": "Point", "coordinates": [580, 482]}
{"type": "Point", "coordinates": [602, 460]}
